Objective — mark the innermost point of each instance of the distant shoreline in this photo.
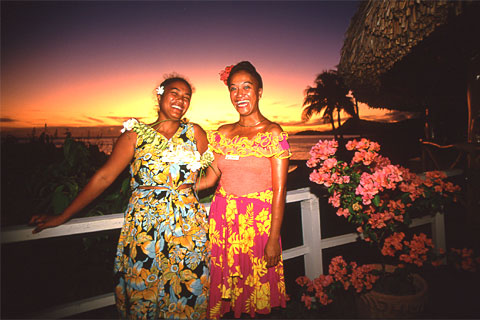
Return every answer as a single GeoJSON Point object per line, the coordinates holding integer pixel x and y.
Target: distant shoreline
{"type": "Point", "coordinates": [61, 132]}
{"type": "Point", "coordinates": [350, 126]}
{"type": "Point", "coordinates": [98, 132]}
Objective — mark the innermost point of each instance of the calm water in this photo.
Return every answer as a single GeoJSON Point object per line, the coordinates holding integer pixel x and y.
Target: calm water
{"type": "Point", "coordinates": [300, 145]}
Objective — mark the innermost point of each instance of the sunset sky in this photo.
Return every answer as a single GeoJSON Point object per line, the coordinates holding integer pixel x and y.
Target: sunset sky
{"type": "Point", "coordinates": [97, 63]}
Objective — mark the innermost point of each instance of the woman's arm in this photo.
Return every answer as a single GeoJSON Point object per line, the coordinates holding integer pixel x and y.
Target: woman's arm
{"type": "Point", "coordinates": [211, 176]}
{"type": "Point", "coordinates": [200, 138]}
{"type": "Point", "coordinates": [279, 185]}
{"type": "Point", "coordinates": [121, 155]}
{"type": "Point", "coordinates": [209, 179]}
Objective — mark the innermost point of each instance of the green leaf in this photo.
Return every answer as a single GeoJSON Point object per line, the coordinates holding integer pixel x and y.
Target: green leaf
{"type": "Point", "coordinates": [59, 201]}
{"type": "Point", "coordinates": [376, 200]}
{"type": "Point", "coordinates": [207, 199]}
{"type": "Point", "coordinates": [113, 196]}
{"type": "Point", "coordinates": [125, 185]}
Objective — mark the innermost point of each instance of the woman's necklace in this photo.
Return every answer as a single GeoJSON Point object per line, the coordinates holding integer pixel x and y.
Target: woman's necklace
{"type": "Point", "coordinates": [254, 125]}
{"type": "Point", "coordinates": [164, 120]}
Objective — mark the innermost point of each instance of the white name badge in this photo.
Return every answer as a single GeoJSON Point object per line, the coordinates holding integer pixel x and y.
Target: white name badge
{"type": "Point", "coordinates": [232, 157]}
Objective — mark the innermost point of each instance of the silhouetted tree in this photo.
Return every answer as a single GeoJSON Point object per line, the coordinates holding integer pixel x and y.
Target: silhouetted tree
{"type": "Point", "coordinates": [328, 95]}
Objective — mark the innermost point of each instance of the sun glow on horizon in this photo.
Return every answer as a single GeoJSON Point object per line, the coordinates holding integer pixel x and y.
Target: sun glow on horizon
{"type": "Point", "coordinates": [91, 64]}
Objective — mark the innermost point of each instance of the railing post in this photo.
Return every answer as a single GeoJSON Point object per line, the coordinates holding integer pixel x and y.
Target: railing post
{"type": "Point", "coordinates": [438, 232]}
{"type": "Point", "coordinates": [312, 237]}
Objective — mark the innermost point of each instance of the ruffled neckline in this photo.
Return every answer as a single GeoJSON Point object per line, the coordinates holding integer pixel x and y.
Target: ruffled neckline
{"type": "Point", "coordinates": [263, 144]}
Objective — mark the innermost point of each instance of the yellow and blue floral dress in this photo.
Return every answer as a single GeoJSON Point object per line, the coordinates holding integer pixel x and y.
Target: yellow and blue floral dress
{"type": "Point", "coordinates": [161, 263]}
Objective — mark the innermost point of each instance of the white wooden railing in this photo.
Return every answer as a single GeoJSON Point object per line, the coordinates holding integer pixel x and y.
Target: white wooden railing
{"type": "Point", "coordinates": [311, 250]}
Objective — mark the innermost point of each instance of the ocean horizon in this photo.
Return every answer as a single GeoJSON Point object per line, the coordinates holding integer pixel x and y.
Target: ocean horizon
{"type": "Point", "coordinates": [300, 144]}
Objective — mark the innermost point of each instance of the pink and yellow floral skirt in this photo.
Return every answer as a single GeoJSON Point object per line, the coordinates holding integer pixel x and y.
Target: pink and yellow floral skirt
{"type": "Point", "coordinates": [239, 230]}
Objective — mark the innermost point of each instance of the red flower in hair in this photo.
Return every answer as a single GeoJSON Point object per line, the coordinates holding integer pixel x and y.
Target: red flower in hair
{"type": "Point", "coordinates": [225, 73]}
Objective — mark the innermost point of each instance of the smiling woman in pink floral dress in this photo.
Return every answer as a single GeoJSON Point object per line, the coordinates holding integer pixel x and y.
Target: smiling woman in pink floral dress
{"type": "Point", "coordinates": [251, 160]}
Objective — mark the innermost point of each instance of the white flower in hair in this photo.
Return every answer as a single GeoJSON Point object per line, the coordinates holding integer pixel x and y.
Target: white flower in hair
{"type": "Point", "coordinates": [160, 90]}
{"type": "Point", "coordinates": [128, 125]}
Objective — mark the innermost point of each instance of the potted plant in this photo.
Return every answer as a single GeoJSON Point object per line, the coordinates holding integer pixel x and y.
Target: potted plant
{"type": "Point", "coordinates": [380, 199]}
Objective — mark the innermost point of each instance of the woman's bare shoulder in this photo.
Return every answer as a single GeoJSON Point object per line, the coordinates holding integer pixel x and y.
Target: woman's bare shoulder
{"type": "Point", "coordinates": [226, 128]}
{"type": "Point", "coordinates": [274, 128]}
{"type": "Point", "coordinates": [198, 129]}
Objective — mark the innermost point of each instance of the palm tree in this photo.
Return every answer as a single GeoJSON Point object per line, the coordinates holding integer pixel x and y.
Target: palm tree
{"type": "Point", "coordinates": [328, 95]}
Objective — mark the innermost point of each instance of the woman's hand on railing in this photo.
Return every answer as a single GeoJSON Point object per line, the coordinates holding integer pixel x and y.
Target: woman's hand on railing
{"type": "Point", "coordinates": [46, 221]}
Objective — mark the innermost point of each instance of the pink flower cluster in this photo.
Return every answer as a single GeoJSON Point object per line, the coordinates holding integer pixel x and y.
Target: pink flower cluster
{"type": "Point", "coordinates": [435, 179]}
{"type": "Point", "coordinates": [351, 274]}
{"type": "Point", "coordinates": [417, 249]}
{"type": "Point", "coordinates": [378, 198]}
{"type": "Point", "coordinates": [373, 183]}
{"type": "Point", "coordinates": [367, 151]}
{"type": "Point", "coordinates": [317, 288]}
{"type": "Point", "coordinates": [393, 244]}
{"type": "Point", "coordinates": [323, 152]}
{"type": "Point", "coordinates": [465, 260]}
{"type": "Point", "coordinates": [393, 212]}
{"type": "Point", "coordinates": [362, 278]}
{"type": "Point", "coordinates": [414, 251]}
{"type": "Point", "coordinates": [417, 187]}
{"type": "Point", "coordinates": [340, 274]}
{"type": "Point", "coordinates": [411, 185]}
{"type": "Point", "coordinates": [338, 269]}
{"type": "Point", "coordinates": [328, 178]}
{"type": "Point", "coordinates": [370, 191]}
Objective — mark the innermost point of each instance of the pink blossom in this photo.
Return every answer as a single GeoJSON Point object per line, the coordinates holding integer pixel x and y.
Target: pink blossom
{"type": "Point", "coordinates": [324, 149]}
{"type": "Point", "coordinates": [367, 188]}
{"type": "Point", "coordinates": [325, 280]}
{"type": "Point", "coordinates": [392, 244]}
{"type": "Point", "coordinates": [363, 144]}
{"type": "Point", "coordinates": [312, 162]}
{"type": "Point", "coordinates": [315, 176]}
{"type": "Point", "coordinates": [418, 249]}
{"type": "Point", "coordinates": [303, 280]}
{"type": "Point", "coordinates": [320, 177]}
{"type": "Point", "coordinates": [335, 199]}
{"type": "Point", "coordinates": [364, 157]}
{"type": "Point", "coordinates": [307, 300]}
{"type": "Point", "coordinates": [225, 73]}
{"type": "Point", "coordinates": [362, 278]}
{"type": "Point", "coordinates": [329, 163]}
{"type": "Point", "coordinates": [343, 212]}
{"type": "Point", "coordinates": [323, 298]}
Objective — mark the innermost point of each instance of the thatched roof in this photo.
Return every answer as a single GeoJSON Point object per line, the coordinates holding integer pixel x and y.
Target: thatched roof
{"type": "Point", "coordinates": [382, 33]}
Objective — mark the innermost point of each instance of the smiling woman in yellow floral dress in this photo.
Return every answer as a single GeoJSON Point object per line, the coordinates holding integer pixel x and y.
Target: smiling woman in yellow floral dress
{"type": "Point", "coordinates": [161, 265]}
{"type": "Point", "coordinates": [251, 158]}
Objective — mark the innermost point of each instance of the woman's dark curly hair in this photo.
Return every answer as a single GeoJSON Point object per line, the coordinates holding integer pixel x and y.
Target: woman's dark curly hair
{"type": "Point", "coordinates": [174, 77]}
{"type": "Point", "coordinates": [247, 67]}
